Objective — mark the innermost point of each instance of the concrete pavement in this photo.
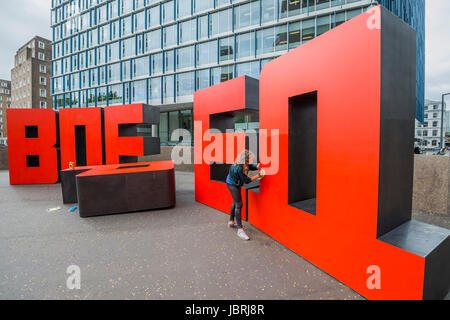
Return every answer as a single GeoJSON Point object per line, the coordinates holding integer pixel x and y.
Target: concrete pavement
{"type": "Point", "coordinates": [182, 253]}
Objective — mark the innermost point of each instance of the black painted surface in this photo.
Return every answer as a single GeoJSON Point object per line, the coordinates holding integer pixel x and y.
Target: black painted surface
{"type": "Point", "coordinates": [251, 93]}
{"type": "Point", "coordinates": [152, 145]}
{"type": "Point", "coordinates": [398, 85]}
{"type": "Point", "coordinates": [80, 146]}
{"type": "Point", "coordinates": [69, 185]}
{"type": "Point", "coordinates": [31, 132]}
{"type": "Point", "coordinates": [308, 206]}
{"type": "Point", "coordinates": [33, 161]}
{"type": "Point", "coordinates": [125, 192]}
{"type": "Point", "coordinates": [433, 244]}
{"type": "Point", "coordinates": [302, 140]}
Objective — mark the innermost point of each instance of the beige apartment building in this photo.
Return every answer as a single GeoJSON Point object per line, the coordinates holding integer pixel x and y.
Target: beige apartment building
{"type": "Point", "coordinates": [5, 102]}
{"type": "Point", "coordinates": [30, 77]}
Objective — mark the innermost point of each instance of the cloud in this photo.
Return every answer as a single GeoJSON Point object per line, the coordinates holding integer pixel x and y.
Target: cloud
{"type": "Point", "coordinates": [20, 21]}
{"type": "Point", "coordinates": [437, 50]}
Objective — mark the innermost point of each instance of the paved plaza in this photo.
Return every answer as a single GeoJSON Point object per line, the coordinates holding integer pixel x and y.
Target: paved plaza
{"type": "Point", "coordinates": [182, 253]}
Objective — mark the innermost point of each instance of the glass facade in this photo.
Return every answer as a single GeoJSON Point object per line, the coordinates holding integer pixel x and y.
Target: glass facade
{"type": "Point", "coordinates": [110, 52]}
{"type": "Point", "coordinates": [413, 13]}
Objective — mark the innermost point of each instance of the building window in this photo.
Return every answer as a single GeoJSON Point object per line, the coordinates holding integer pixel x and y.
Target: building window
{"type": "Point", "coordinates": [43, 93]}
{"type": "Point", "coordinates": [42, 81]}
{"type": "Point", "coordinates": [41, 45]}
{"type": "Point", "coordinates": [43, 105]}
{"type": "Point", "coordinates": [41, 56]}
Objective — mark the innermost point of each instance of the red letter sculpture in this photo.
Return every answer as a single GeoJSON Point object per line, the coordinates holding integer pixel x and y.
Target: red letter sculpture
{"type": "Point", "coordinates": [122, 141]}
{"type": "Point", "coordinates": [81, 136]}
{"type": "Point", "coordinates": [32, 153]}
{"type": "Point", "coordinates": [344, 105]}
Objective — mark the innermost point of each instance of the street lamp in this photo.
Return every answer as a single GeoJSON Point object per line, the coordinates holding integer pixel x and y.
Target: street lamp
{"type": "Point", "coordinates": [442, 119]}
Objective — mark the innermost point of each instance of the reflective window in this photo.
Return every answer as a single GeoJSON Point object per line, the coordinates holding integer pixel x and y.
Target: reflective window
{"type": "Point", "coordinates": [141, 67]}
{"type": "Point", "coordinates": [245, 45]}
{"type": "Point", "coordinates": [207, 53]}
{"type": "Point", "coordinates": [220, 22]}
{"type": "Point", "coordinates": [202, 79]}
{"type": "Point", "coordinates": [114, 30]}
{"type": "Point", "coordinates": [188, 31]}
{"type": "Point", "coordinates": [168, 89]}
{"type": "Point", "coordinates": [308, 30]}
{"type": "Point", "coordinates": [246, 15]}
{"type": "Point", "coordinates": [154, 91]}
{"type": "Point", "coordinates": [75, 81]}
{"type": "Point", "coordinates": [139, 21]}
{"type": "Point", "coordinates": [169, 61]}
{"type": "Point", "coordinates": [152, 40]}
{"type": "Point", "coordinates": [126, 70]}
{"type": "Point", "coordinates": [353, 13]}
{"type": "Point", "coordinates": [85, 79]}
{"type": "Point", "coordinates": [139, 4]}
{"type": "Point", "coordinates": [154, 16]}
{"type": "Point", "coordinates": [75, 102]}
{"type": "Point", "coordinates": [268, 10]}
{"type": "Point", "coordinates": [113, 9]}
{"type": "Point", "coordinates": [139, 91]}
{"type": "Point", "coordinates": [183, 8]}
{"type": "Point", "coordinates": [101, 55]}
{"type": "Point", "coordinates": [126, 26]}
{"type": "Point", "coordinates": [322, 4]}
{"type": "Point", "coordinates": [248, 68]}
{"type": "Point", "coordinates": [94, 77]}
{"type": "Point", "coordinates": [203, 27]}
{"type": "Point", "coordinates": [83, 41]}
{"type": "Point", "coordinates": [101, 97]}
{"type": "Point", "coordinates": [91, 57]}
{"type": "Point", "coordinates": [294, 35]}
{"type": "Point", "coordinates": [323, 24]}
{"type": "Point", "coordinates": [113, 51]}
{"type": "Point", "coordinates": [185, 57]}
{"type": "Point", "coordinates": [185, 84]}
{"type": "Point", "coordinates": [115, 94]}
{"type": "Point", "coordinates": [126, 6]}
{"type": "Point", "coordinates": [128, 47]}
{"type": "Point", "coordinates": [83, 99]}
{"type": "Point", "coordinates": [113, 72]}
{"type": "Point", "coordinates": [91, 98]}
{"type": "Point", "coordinates": [221, 74]}
{"type": "Point", "coordinates": [156, 64]}
{"type": "Point", "coordinates": [168, 13]}
{"type": "Point", "coordinates": [226, 51]}
{"type": "Point", "coordinates": [271, 39]}
{"type": "Point", "coordinates": [104, 34]}
{"type": "Point", "coordinates": [170, 36]}
{"type": "Point", "coordinates": [340, 18]}
{"type": "Point", "coordinates": [101, 14]}
{"type": "Point", "coordinates": [200, 5]}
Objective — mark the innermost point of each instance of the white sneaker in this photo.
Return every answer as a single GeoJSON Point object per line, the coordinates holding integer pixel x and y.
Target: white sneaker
{"type": "Point", "coordinates": [241, 234]}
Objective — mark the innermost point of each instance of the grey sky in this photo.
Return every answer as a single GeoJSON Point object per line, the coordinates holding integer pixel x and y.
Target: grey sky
{"type": "Point", "coordinates": [21, 20]}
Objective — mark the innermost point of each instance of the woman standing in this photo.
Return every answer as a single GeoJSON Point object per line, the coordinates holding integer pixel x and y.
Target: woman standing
{"type": "Point", "coordinates": [236, 178]}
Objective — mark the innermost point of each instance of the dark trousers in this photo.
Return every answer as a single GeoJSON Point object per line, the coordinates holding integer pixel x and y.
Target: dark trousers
{"type": "Point", "coordinates": [235, 211]}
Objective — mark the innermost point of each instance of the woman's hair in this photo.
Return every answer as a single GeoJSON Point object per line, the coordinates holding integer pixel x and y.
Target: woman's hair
{"type": "Point", "coordinates": [245, 155]}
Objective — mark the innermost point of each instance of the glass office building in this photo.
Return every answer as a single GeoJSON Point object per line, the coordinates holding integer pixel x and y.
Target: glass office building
{"type": "Point", "coordinates": [111, 52]}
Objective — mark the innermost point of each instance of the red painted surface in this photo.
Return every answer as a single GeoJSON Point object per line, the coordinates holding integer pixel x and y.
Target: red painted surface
{"type": "Point", "coordinates": [92, 119]}
{"type": "Point", "coordinates": [224, 97]}
{"type": "Point", "coordinates": [43, 146]}
{"type": "Point", "coordinates": [122, 146]}
{"type": "Point", "coordinates": [343, 66]}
